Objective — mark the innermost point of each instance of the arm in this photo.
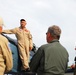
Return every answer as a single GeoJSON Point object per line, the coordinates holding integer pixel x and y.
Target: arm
{"type": "Point", "coordinates": [11, 31]}
{"type": "Point", "coordinates": [30, 42]}
{"type": "Point", "coordinates": [35, 61]}
{"type": "Point", "coordinates": [9, 61]}
{"type": "Point", "coordinates": [7, 55]}
{"type": "Point", "coordinates": [67, 63]}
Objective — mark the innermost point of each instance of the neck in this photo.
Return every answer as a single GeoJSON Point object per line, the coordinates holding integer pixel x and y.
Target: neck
{"type": "Point", "coordinates": [23, 27]}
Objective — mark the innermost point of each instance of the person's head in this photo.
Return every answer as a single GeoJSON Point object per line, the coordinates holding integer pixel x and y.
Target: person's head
{"type": "Point", "coordinates": [23, 23]}
{"type": "Point", "coordinates": [53, 33]}
{"type": "Point", "coordinates": [1, 24]}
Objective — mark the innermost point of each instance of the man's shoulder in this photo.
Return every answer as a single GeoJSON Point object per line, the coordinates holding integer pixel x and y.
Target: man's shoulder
{"type": "Point", "coordinates": [16, 28]}
{"type": "Point", "coordinates": [3, 39]}
{"type": "Point", "coordinates": [47, 47]}
{"type": "Point", "coordinates": [44, 46]}
{"type": "Point", "coordinates": [27, 30]}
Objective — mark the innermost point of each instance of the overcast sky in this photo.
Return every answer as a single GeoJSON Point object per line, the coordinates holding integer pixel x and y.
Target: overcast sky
{"type": "Point", "coordinates": [40, 14]}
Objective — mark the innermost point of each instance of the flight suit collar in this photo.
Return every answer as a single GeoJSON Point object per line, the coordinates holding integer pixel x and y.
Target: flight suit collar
{"type": "Point", "coordinates": [24, 29]}
{"type": "Point", "coordinates": [21, 28]}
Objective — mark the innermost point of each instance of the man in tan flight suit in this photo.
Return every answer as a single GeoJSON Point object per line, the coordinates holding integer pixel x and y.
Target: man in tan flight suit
{"type": "Point", "coordinates": [6, 62]}
{"type": "Point", "coordinates": [25, 43]}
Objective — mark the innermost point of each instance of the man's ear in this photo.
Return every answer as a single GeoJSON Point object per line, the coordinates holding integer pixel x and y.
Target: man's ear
{"type": "Point", "coordinates": [49, 35]}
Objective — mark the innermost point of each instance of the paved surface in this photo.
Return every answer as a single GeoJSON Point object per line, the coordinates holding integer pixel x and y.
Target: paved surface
{"type": "Point", "coordinates": [69, 74]}
{"type": "Point", "coordinates": [65, 74]}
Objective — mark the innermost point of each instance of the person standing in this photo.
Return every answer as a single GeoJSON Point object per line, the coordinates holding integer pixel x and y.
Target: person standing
{"type": "Point", "coordinates": [51, 58]}
{"type": "Point", "coordinates": [25, 43]}
{"type": "Point", "coordinates": [6, 62]}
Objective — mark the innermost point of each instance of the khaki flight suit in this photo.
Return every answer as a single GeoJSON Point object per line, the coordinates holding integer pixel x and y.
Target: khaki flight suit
{"type": "Point", "coordinates": [6, 62]}
{"type": "Point", "coordinates": [24, 39]}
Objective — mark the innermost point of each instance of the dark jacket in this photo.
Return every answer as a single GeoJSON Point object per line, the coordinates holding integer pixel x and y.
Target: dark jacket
{"type": "Point", "coordinates": [50, 59]}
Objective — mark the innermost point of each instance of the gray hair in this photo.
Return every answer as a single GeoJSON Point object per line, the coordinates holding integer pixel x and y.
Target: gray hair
{"type": "Point", "coordinates": [55, 31]}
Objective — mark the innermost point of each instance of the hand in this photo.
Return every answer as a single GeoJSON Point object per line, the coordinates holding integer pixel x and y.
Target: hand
{"type": "Point", "coordinates": [30, 48]}
{"type": "Point", "coordinates": [72, 66]}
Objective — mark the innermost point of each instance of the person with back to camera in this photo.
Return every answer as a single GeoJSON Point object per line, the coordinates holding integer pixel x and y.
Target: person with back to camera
{"type": "Point", "coordinates": [51, 58]}
{"type": "Point", "coordinates": [25, 43]}
{"type": "Point", "coordinates": [6, 62]}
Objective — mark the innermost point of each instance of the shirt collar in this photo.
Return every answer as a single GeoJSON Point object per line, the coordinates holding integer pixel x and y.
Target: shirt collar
{"type": "Point", "coordinates": [55, 40]}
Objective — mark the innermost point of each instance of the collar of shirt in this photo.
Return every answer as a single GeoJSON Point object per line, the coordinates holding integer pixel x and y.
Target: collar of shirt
{"type": "Point", "coordinates": [23, 29]}
{"type": "Point", "coordinates": [55, 40]}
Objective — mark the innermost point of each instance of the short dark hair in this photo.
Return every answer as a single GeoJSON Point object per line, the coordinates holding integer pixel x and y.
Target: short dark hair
{"type": "Point", "coordinates": [22, 20]}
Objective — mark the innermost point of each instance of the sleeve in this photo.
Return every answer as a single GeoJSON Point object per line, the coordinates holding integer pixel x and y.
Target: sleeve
{"type": "Point", "coordinates": [9, 62]}
{"type": "Point", "coordinates": [67, 61]}
{"type": "Point", "coordinates": [30, 41]}
{"type": "Point", "coordinates": [34, 63]}
{"type": "Point", "coordinates": [11, 31]}
{"type": "Point", "coordinates": [7, 55]}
